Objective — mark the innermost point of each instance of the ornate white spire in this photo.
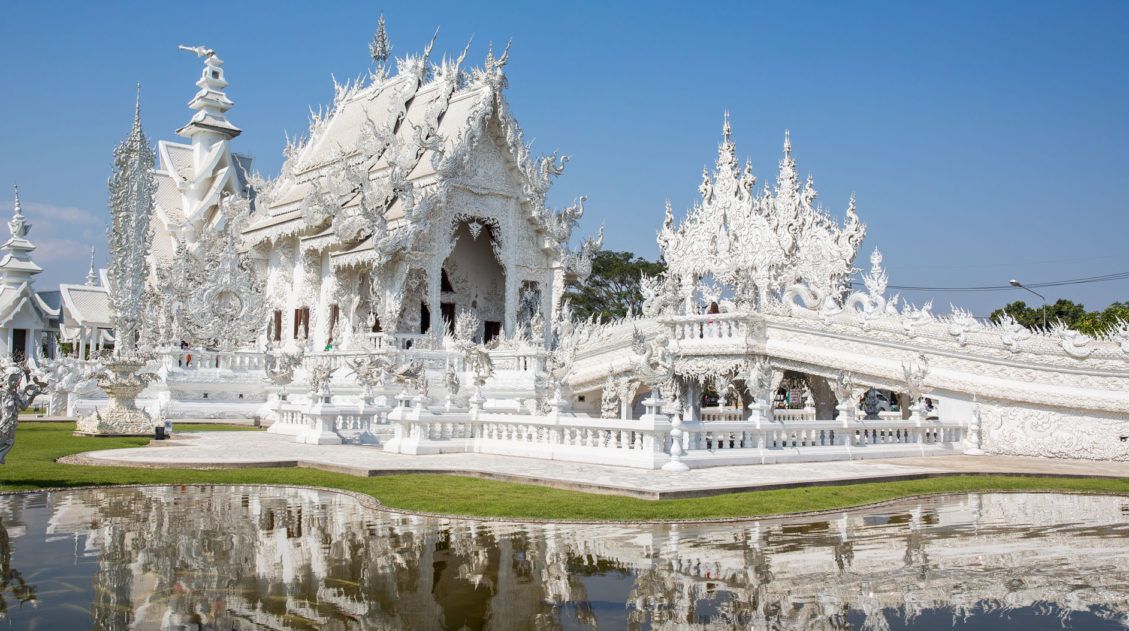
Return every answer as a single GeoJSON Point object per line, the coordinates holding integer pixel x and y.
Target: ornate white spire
{"type": "Point", "coordinates": [91, 275]}
{"type": "Point", "coordinates": [16, 266]}
{"type": "Point", "coordinates": [18, 224]}
{"type": "Point", "coordinates": [209, 124]}
{"type": "Point", "coordinates": [132, 187]}
{"type": "Point", "coordinates": [380, 48]}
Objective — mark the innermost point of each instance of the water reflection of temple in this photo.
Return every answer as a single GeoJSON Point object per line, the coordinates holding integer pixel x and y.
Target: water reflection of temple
{"type": "Point", "coordinates": [243, 557]}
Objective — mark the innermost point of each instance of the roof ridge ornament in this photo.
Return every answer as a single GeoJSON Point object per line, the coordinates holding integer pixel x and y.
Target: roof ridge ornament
{"type": "Point", "coordinates": [201, 51]}
{"type": "Point", "coordinates": [18, 225]}
{"type": "Point", "coordinates": [91, 276]}
{"type": "Point", "coordinates": [380, 48]}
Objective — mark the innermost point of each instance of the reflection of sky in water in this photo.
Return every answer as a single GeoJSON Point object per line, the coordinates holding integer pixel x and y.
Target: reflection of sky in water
{"type": "Point", "coordinates": [245, 557]}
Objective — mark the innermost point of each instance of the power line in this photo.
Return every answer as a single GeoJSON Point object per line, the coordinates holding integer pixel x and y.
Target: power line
{"type": "Point", "coordinates": [1058, 283]}
{"type": "Point", "coordinates": [1008, 264]}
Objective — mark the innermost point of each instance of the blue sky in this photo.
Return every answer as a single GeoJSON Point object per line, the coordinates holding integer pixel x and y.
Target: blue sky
{"type": "Point", "coordinates": [984, 141]}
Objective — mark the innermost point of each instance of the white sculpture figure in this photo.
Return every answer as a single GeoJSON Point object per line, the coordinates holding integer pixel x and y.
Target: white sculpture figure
{"type": "Point", "coordinates": [278, 369]}
{"type": "Point", "coordinates": [843, 386]}
{"type": "Point", "coordinates": [370, 370]}
{"type": "Point", "coordinates": [320, 376]}
{"type": "Point", "coordinates": [962, 322]}
{"type": "Point", "coordinates": [914, 316]}
{"type": "Point", "coordinates": [411, 374]}
{"type": "Point", "coordinates": [475, 357]}
{"type": "Point", "coordinates": [975, 431]}
{"type": "Point", "coordinates": [654, 363]}
{"type": "Point", "coordinates": [61, 375]}
{"type": "Point", "coordinates": [1074, 343]}
{"type": "Point", "coordinates": [809, 400]}
{"type": "Point", "coordinates": [537, 329]}
{"type": "Point", "coordinates": [609, 399]}
{"type": "Point", "coordinates": [20, 388]}
{"type": "Point", "coordinates": [452, 384]}
{"type": "Point", "coordinates": [915, 373]}
{"type": "Point", "coordinates": [1012, 333]}
{"type": "Point", "coordinates": [758, 381]}
{"type": "Point", "coordinates": [654, 366]}
{"type": "Point", "coordinates": [660, 294]}
{"type": "Point", "coordinates": [559, 359]}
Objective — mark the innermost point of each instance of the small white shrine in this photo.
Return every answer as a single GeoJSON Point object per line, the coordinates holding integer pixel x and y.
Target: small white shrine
{"type": "Point", "coordinates": [29, 319]}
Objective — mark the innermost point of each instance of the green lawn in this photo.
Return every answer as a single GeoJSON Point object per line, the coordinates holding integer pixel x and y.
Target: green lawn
{"type": "Point", "coordinates": [31, 465]}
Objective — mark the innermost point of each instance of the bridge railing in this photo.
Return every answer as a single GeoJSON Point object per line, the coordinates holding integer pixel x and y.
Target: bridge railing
{"type": "Point", "coordinates": [709, 328]}
{"type": "Point", "coordinates": [641, 444]}
{"type": "Point", "coordinates": [193, 359]}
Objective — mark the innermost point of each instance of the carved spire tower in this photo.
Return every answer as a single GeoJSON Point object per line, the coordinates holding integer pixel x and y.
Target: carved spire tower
{"type": "Point", "coordinates": [16, 266]}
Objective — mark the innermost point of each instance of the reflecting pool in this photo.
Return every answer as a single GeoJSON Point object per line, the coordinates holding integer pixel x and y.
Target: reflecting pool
{"type": "Point", "coordinates": [244, 557]}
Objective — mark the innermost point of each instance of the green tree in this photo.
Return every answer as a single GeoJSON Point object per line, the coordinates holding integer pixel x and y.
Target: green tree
{"type": "Point", "coordinates": [612, 290]}
{"type": "Point", "coordinates": [1069, 313]}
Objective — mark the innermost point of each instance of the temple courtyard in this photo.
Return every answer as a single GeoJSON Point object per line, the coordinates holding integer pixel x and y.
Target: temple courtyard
{"type": "Point", "coordinates": [254, 449]}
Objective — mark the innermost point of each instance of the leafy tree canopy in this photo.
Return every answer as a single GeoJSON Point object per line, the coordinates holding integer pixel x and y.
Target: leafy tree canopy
{"type": "Point", "coordinates": [1069, 313]}
{"type": "Point", "coordinates": [612, 291]}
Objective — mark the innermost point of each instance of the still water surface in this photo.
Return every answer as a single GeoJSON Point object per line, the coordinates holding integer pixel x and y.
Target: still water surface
{"type": "Point", "coordinates": [277, 558]}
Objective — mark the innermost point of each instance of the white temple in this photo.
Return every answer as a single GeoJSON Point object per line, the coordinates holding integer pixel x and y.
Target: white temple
{"type": "Point", "coordinates": [29, 319]}
{"type": "Point", "coordinates": [399, 284]}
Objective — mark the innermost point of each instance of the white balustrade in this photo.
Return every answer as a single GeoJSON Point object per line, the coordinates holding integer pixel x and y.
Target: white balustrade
{"type": "Point", "coordinates": [638, 444]}
{"type": "Point", "coordinates": [722, 414]}
{"type": "Point", "coordinates": [201, 359]}
{"type": "Point", "coordinates": [708, 327]}
{"type": "Point", "coordinates": [793, 414]}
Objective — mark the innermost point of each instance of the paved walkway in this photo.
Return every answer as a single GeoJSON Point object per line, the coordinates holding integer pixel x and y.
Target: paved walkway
{"type": "Point", "coordinates": [260, 449]}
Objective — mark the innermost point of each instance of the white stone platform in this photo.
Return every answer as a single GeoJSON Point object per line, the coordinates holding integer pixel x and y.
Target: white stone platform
{"type": "Point", "coordinates": [260, 449]}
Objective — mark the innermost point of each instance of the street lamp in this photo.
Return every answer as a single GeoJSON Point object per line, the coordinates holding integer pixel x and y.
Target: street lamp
{"type": "Point", "coordinates": [1015, 283]}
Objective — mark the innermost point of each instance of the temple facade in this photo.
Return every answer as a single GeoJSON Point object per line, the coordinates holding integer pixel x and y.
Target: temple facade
{"type": "Point", "coordinates": [411, 200]}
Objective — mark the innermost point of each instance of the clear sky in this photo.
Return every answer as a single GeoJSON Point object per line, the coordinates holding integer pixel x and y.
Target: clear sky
{"type": "Point", "coordinates": [984, 141]}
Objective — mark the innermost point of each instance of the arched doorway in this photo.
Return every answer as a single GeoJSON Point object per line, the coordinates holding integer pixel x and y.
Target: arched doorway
{"type": "Point", "coordinates": [472, 279]}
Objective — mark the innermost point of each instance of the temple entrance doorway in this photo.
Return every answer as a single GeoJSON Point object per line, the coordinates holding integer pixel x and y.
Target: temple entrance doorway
{"type": "Point", "coordinates": [474, 280]}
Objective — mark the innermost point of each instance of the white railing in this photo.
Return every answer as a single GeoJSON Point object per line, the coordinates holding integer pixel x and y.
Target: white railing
{"type": "Point", "coordinates": [793, 414]}
{"type": "Point", "coordinates": [812, 434]}
{"type": "Point", "coordinates": [198, 359]}
{"type": "Point", "coordinates": [642, 445]}
{"type": "Point", "coordinates": [708, 328]}
{"type": "Point", "coordinates": [347, 422]}
{"type": "Point", "coordinates": [712, 414]}
{"type": "Point", "coordinates": [399, 341]}
{"type": "Point", "coordinates": [519, 360]}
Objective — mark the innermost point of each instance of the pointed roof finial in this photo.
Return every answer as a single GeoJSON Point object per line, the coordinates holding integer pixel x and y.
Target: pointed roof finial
{"type": "Point", "coordinates": [137, 108]}
{"type": "Point", "coordinates": [380, 48]}
{"type": "Point", "coordinates": [726, 130]}
{"type": "Point", "coordinates": [787, 143]}
{"type": "Point", "coordinates": [18, 224]}
{"type": "Point", "coordinates": [91, 275]}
